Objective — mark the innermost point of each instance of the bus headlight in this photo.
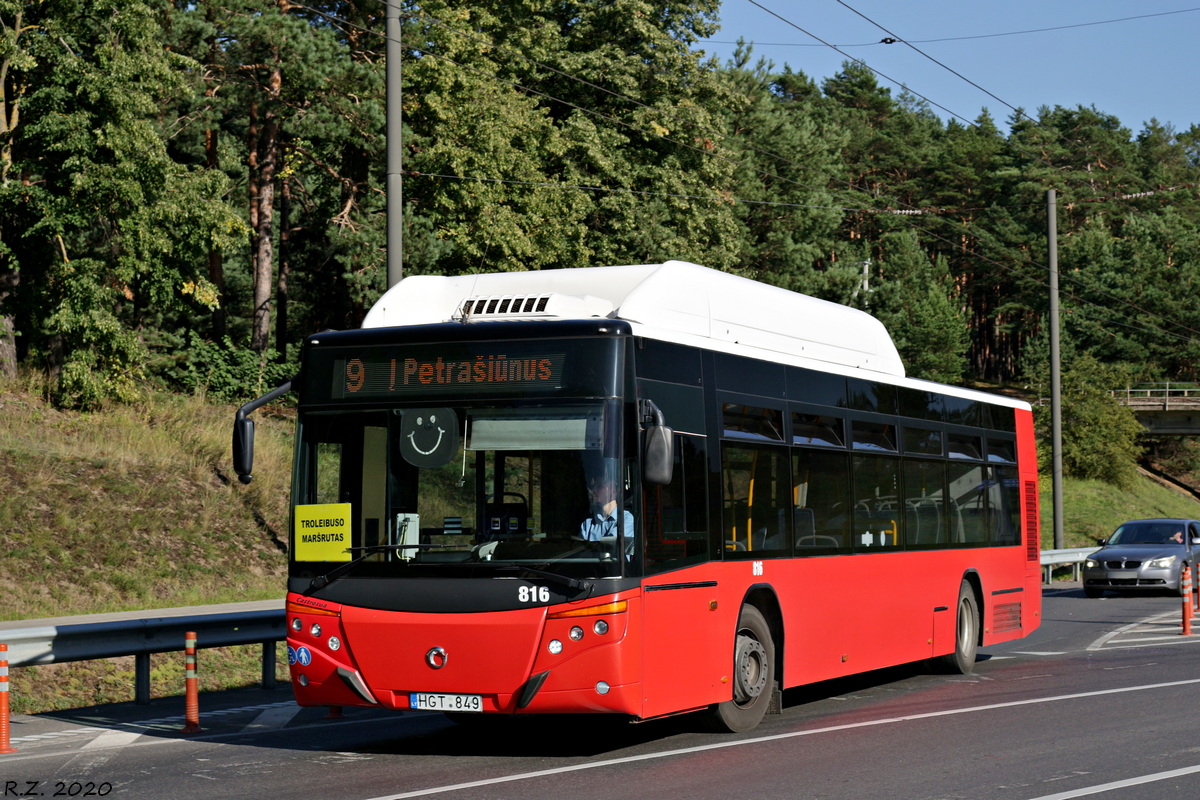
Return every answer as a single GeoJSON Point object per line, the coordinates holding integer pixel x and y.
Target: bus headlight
{"type": "Point", "coordinates": [555, 647]}
{"type": "Point", "coordinates": [576, 633]}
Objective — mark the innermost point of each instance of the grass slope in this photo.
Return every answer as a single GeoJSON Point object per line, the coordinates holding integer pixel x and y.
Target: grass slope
{"type": "Point", "coordinates": [131, 508]}
{"type": "Point", "coordinates": [1092, 510]}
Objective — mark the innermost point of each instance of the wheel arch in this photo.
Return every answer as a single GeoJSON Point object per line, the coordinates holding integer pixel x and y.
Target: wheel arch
{"type": "Point", "coordinates": [764, 597]}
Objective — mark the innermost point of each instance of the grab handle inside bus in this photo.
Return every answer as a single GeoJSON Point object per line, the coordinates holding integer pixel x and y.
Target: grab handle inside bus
{"type": "Point", "coordinates": [243, 432]}
{"type": "Point", "coordinates": [658, 445]}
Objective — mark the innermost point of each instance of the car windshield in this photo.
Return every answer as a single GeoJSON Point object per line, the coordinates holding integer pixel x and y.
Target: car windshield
{"type": "Point", "coordinates": [1159, 532]}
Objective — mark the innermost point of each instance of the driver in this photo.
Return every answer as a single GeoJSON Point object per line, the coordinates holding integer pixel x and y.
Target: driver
{"type": "Point", "coordinates": [603, 521]}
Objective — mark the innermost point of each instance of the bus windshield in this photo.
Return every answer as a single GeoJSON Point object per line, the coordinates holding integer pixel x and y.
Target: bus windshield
{"type": "Point", "coordinates": [464, 491]}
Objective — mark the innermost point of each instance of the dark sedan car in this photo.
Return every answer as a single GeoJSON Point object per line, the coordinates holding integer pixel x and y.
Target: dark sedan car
{"type": "Point", "coordinates": [1143, 554]}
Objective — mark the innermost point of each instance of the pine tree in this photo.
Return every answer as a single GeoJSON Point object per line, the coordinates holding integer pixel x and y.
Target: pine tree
{"type": "Point", "coordinates": [119, 223]}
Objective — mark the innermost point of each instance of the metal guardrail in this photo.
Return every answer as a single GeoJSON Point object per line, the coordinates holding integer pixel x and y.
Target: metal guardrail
{"type": "Point", "coordinates": [1074, 557]}
{"type": "Point", "coordinates": [140, 634]}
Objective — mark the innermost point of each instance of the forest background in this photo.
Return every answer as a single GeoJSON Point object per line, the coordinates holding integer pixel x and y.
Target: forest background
{"type": "Point", "coordinates": [188, 189]}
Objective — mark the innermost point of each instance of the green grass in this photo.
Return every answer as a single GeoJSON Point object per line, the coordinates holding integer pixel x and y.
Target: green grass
{"type": "Point", "coordinates": [1092, 510]}
{"type": "Point", "coordinates": [131, 508]}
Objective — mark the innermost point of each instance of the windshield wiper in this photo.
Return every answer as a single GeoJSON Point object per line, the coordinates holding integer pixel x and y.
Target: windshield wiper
{"type": "Point", "coordinates": [321, 581]}
{"type": "Point", "coordinates": [573, 583]}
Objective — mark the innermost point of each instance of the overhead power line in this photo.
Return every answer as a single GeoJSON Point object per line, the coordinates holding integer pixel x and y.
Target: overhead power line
{"type": "Point", "coordinates": [893, 40]}
{"type": "Point", "coordinates": [916, 49]}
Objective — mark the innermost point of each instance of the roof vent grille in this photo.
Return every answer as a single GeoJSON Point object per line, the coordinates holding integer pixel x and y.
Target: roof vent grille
{"type": "Point", "coordinates": [550, 306]}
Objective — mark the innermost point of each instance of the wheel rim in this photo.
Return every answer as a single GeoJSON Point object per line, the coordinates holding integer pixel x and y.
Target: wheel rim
{"type": "Point", "coordinates": [966, 626]}
{"type": "Point", "coordinates": [752, 669]}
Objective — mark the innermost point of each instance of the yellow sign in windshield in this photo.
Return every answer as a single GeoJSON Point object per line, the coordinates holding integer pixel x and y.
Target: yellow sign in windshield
{"type": "Point", "coordinates": [322, 532]}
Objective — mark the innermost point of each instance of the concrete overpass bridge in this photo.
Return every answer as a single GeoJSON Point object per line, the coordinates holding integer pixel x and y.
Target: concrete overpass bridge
{"type": "Point", "coordinates": [1164, 409]}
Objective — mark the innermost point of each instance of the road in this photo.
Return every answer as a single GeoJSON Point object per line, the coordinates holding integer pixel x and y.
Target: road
{"type": "Point", "coordinates": [1099, 702]}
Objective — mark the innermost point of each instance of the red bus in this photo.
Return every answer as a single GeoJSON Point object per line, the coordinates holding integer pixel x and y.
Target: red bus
{"type": "Point", "coordinates": [639, 490]}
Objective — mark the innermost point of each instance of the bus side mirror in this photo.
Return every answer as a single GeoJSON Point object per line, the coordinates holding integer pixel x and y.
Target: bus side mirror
{"type": "Point", "coordinates": [243, 431]}
{"type": "Point", "coordinates": [658, 454]}
{"type": "Point", "coordinates": [243, 449]}
{"type": "Point", "coordinates": [658, 445]}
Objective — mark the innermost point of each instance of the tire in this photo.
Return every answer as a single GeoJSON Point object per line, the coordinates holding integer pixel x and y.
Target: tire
{"type": "Point", "coordinates": [753, 675]}
{"type": "Point", "coordinates": [966, 633]}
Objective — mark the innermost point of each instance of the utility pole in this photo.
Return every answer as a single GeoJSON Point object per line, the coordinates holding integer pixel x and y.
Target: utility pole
{"type": "Point", "coordinates": [1055, 368]}
{"type": "Point", "coordinates": [395, 179]}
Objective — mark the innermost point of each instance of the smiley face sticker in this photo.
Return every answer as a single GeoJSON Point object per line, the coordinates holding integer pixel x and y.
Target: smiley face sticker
{"type": "Point", "coordinates": [429, 436]}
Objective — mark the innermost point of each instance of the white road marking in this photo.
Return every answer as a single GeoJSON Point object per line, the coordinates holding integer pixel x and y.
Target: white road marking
{"type": "Point", "coordinates": [523, 776]}
{"type": "Point", "coordinates": [1153, 629]}
{"type": "Point", "coordinates": [274, 718]}
{"type": "Point", "coordinates": [113, 738]}
{"type": "Point", "coordinates": [1108, 787]}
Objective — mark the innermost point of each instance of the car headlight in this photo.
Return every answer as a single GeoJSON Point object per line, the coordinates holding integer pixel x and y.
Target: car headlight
{"type": "Point", "coordinates": [1091, 563]}
{"type": "Point", "coordinates": [1159, 563]}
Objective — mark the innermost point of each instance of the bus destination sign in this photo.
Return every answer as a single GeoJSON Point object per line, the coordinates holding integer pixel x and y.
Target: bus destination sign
{"type": "Point", "coordinates": [372, 375]}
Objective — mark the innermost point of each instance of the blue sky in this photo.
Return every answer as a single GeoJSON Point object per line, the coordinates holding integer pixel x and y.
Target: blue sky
{"type": "Point", "coordinates": [1135, 69]}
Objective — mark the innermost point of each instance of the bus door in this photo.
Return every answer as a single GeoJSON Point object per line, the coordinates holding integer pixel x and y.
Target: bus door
{"type": "Point", "coordinates": [688, 630]}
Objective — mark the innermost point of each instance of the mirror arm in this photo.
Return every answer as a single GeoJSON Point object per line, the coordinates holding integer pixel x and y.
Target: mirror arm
{"type": "Point", "coordinates": [243, 431]}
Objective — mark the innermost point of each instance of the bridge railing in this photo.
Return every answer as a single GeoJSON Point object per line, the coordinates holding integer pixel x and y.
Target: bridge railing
{"type": "Point", "coordinates": [1158, 394]}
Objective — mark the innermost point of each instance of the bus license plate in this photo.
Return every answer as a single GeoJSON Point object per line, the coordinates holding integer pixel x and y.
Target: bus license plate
{"type": "Point", "coordinates": [423, 701]}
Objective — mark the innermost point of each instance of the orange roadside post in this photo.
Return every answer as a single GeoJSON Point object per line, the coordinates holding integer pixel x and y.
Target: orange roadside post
{"type": "Point", "coordinates": [5, 741]}
{"type": "Point", "coordinates": [1186, 591]}
{"type": "Point", "coordinates": [191, 687]}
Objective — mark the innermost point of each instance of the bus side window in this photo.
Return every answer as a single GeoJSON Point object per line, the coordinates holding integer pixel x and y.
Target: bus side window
{"type": "Point", "coordinates": [1005, 505]}
{"type": "Point", "coordinates": [925, 517]}
{"type": "Point", "coordinates": [821, 487]}
{"type": "Point", "coordinates": [756, 482]}
{"type": "Point", "coordinates": [675, 524]}
{"type": "Point", "coordinates": [968, 507]}
{"type": "Point", "coordinates": [878, 514]}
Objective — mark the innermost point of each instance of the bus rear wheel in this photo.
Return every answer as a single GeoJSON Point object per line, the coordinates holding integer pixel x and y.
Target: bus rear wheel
{"type": "Point", "coordinates": [966, 633]}
{"type": "Point", "coordinates": [753, 675]}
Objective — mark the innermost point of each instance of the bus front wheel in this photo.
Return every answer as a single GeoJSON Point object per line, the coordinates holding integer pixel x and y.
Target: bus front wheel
{"type": "Point", "coordinates": [753, 675]}
{"type": "Point", "coordinates": [966, 633]}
